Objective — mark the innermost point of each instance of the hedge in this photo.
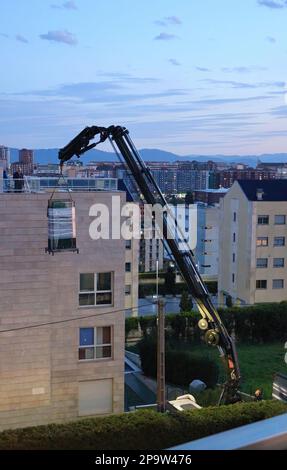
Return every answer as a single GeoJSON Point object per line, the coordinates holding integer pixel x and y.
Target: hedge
{"type": "Point", "coordinates": [258, 324]}
{"type": "Point", "coordinates": [141, 430]}
{"type": "Point", "coordinates": [148, 289]}
{"type": "Point", "coordinates": [182, 367]}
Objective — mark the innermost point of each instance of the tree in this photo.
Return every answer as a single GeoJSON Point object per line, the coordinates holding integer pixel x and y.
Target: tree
{"type": "Point", "coordinates": [185, 304]}
{"type": "Point", "coordinates": [169, 282]}
{"type": "Point", "coordinates": [189, 199]}
{"type": "Point", "coordinates": [229, 302]}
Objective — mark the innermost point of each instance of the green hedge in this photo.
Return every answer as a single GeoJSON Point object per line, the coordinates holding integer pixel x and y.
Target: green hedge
{"type": "Point", "coordinates": [142, 430]}
{"type": "Point", "coordinates": [257, 324]}
{"type": "Point", "coordinates": [182, 367]}
{"type": "Point", "coordinates": [148, 289]}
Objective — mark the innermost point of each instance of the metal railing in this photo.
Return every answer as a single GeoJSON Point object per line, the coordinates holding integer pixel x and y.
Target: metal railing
{"type": "Point", "coordinates": [270, 434]}
{"type": "Point", "coordinates": [32, 184]}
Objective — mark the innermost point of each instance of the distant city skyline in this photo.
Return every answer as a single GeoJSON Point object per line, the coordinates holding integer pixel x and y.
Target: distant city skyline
{"type": "Point", "coordinates": [188, 77]}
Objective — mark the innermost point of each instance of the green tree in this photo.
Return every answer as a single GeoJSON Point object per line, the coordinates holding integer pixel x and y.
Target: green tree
{"type": "Point", "coordinates": [185, 304]}
{"type": "Point", "coordinates": [189, 199]}
{"type": "Point", "coordinates": [169, 282]}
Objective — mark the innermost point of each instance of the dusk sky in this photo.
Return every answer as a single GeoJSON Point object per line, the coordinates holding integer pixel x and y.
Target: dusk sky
{"type": "Point", "coordinates": [187, 76]}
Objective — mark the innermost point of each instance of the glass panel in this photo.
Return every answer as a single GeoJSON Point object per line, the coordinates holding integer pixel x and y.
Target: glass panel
{"type": "Point", "coordinates": [104, 281]}
{"type": "Point", "coordinates": [86, 354]}
{"type": "Point", "coordinates": [104, 299]}
{"type": "Point", "coordinates": [128, 267]}
{"type": "Point", "coordinates": [87, 282]}
{"type": "Point", "coordinates": [278, 263]}
{"type": "Point", "coordinates": [278, 284]}
{"type": "Point", "coordinates": [86, 336]}
{"type": "Point", "coordinates": [86, 299]}
{"type": "Point", "coordinates": [104, 335]}
{"type": "Point", "coordinates": [279, 241]}
{"type": "Point", "coordinates": [280, 219]}
{"type": "Point", "coordinates": [262, 263]}
{"type": "Point", "coordinates": [103, 352]}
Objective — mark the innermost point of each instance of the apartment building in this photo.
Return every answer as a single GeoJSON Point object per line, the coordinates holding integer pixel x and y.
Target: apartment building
{"type": "Point", "coordinates": [73, 364]}
{"type": "Point", "coordinates": [252, 246]}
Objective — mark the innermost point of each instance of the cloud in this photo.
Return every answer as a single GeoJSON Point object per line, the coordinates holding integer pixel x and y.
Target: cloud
{"type": "Point", "coordinates": [242, 69]}
{"type": "Point", "coordinates": [174, 62]}
{"type": "Point", "coordinates": [173, 20]}
{"type": "Point", "coordinates": [270, 39]}
{"type": "Point", "coordinates": [21, 38]}
{"type": "Point", "coordinates": [202, 69]}
{"type": "Point", "coordinates": [165, 37]}
{"type": "Point", "coordinates": [169, 20]}
{"type": "Point", "coordinates": [60, 36]}
{"type": "Point", "coordinates": [69, 5]}
{"type": "Point", "coordinates": [243, 85]}
{"type": "Point", "coordinates": [4, 35]}
{"type": "Point", "coordinates": [273, 4]}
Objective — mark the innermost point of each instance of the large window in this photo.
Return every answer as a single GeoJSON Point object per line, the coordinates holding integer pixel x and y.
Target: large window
{"type": "Point", "coordinates": [278, 283]}
{"type": "Point", "coordinates": [279, 241]}
{"type": "Point", "coordinates": [96, 289]}
{"type": "Point", "coordinates": [280, 219]}
{"type": "Point", "coordinates": [278, 262]}
{"type": "Point", "coordinates": [95, 343]}
{"type": "Point", "coordinates": [263, 220]}
{"type": "Point", "coordinates": [261, 284]}
{"type": "Point", "coordinates": [262, 263]}
{"type": "Point", "coordinates": [262, 241]}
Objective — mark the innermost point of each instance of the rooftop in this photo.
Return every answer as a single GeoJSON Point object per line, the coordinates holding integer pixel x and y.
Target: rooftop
{"type": "Point", "coordinates": [272, 190]}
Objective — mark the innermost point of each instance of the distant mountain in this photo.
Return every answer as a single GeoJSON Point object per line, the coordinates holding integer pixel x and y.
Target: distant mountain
{"type": "Point", "coordinates": [43, 156]}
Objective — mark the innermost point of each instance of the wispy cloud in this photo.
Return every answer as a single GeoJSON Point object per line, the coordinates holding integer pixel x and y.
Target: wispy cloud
{"type": "Point", "coordinates": [165, 37]}
{"type": "Point", "coordinates": [4, 35]}
{"type": "Point", "coordinates": [21, 38]}
{"type": "Point", "coordinates": [174, 62]}
{"type": "Point", "coordinates": [243, 85]}
{"type": "Point", "coordinates": [273, 4]}
{"type": "Point", "coordinates": [64, 37]}
{"type": "Point", "coordinates": [270, 39]}
{"type": "Point", "coordinates": [202, 69]}
{"type": "Point", "coordinates": [169, 20]}
{"type": "Point", "coordinates": [69, 5]}
{"type": "Point", "coordinates": [242, 69]}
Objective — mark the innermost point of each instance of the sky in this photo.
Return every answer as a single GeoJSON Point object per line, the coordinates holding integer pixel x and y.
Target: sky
{"type": "Point", "coordinates": [188, 76]}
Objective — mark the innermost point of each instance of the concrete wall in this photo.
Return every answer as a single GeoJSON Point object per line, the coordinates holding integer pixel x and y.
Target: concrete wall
{"type": "Point", "coordinates": [39, 368]}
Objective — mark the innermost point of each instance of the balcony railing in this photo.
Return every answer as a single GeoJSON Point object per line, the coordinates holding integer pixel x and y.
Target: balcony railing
{"type": "Point", "coordinates": [32, 184]}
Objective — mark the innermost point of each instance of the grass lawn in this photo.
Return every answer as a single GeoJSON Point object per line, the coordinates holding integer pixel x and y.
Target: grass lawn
{"type": "Point", "coordinates": [258, 364]}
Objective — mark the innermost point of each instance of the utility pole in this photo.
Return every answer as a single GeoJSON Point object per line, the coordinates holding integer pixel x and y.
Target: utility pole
{"type": "Point", "coordinates": [161, 401]}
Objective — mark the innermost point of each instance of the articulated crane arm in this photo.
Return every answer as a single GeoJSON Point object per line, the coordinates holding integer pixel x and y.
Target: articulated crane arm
{"type": "Point", "coordinates": [215, 331]}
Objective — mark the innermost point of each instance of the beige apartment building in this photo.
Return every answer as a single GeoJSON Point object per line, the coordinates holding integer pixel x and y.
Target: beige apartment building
{"type": "Point", "coordinates": [71, 364]}
{"type": "Point", "coordinates": [252, 247]}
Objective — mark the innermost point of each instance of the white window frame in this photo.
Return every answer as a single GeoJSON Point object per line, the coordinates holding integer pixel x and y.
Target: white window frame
{"type": "Point", "coordinates": [95, 346]}
{"type": "Point", "coordinates": [96, 291]}
{"type": "Point", "coordinates": [263, 217]}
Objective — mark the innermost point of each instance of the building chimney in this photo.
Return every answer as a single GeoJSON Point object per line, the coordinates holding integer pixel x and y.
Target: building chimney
{"type": "Point", "coordinates": [259, 194]}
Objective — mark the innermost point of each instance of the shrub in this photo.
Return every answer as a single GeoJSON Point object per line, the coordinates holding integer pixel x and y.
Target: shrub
{"type": "Point", "coordinates": [141, 430]}
{"type": "Point", "coordinates": [182, 367]}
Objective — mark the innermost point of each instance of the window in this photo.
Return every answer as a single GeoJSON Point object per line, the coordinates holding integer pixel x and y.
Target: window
{"type": "Point", "coordinates": [262, 263]}
{"type": "Point", "coordinates": [280, 219]}
{"type": "Point", "coordinates": [128, 267]}
{"type": "Point", "coordinates": [261, 284]}
{"type": "Point", "coordinates": [95, 343]}
{"type": "Point", "coordinates": [234, 237]}
{"type": "Point", "coordinates": [95, 289]}
{"type": "Point", "coordinates": [234, 216]}
{"type": "Point", "coordinates": [278, 283]}
{"type": "Point", "coordinates": [128, 244]}
{"type": "Point", "coordinates": [278, 263]}
{"type": "Point", "coordinates": [233, 278]}
{"type": "Point", "coordinates": [233, 257]}
{"type": "Point", "coordinates": [279, 241]}
{"type": "Point", "coordinates": [262, 241]}
{"type": "Point", "coordinates": [263, 220]}
{"type": "Point", "coordinates": [128, 290]}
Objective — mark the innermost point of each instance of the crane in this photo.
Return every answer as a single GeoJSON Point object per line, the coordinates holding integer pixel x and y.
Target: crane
{"type": "Point", "coordinates": [216, 333]}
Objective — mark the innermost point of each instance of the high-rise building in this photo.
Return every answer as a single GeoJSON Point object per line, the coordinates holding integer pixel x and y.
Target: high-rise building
{"type": "Point", "coordinates": [4, 157]}
{"type": "Point", "coordinates": [252, 247]}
